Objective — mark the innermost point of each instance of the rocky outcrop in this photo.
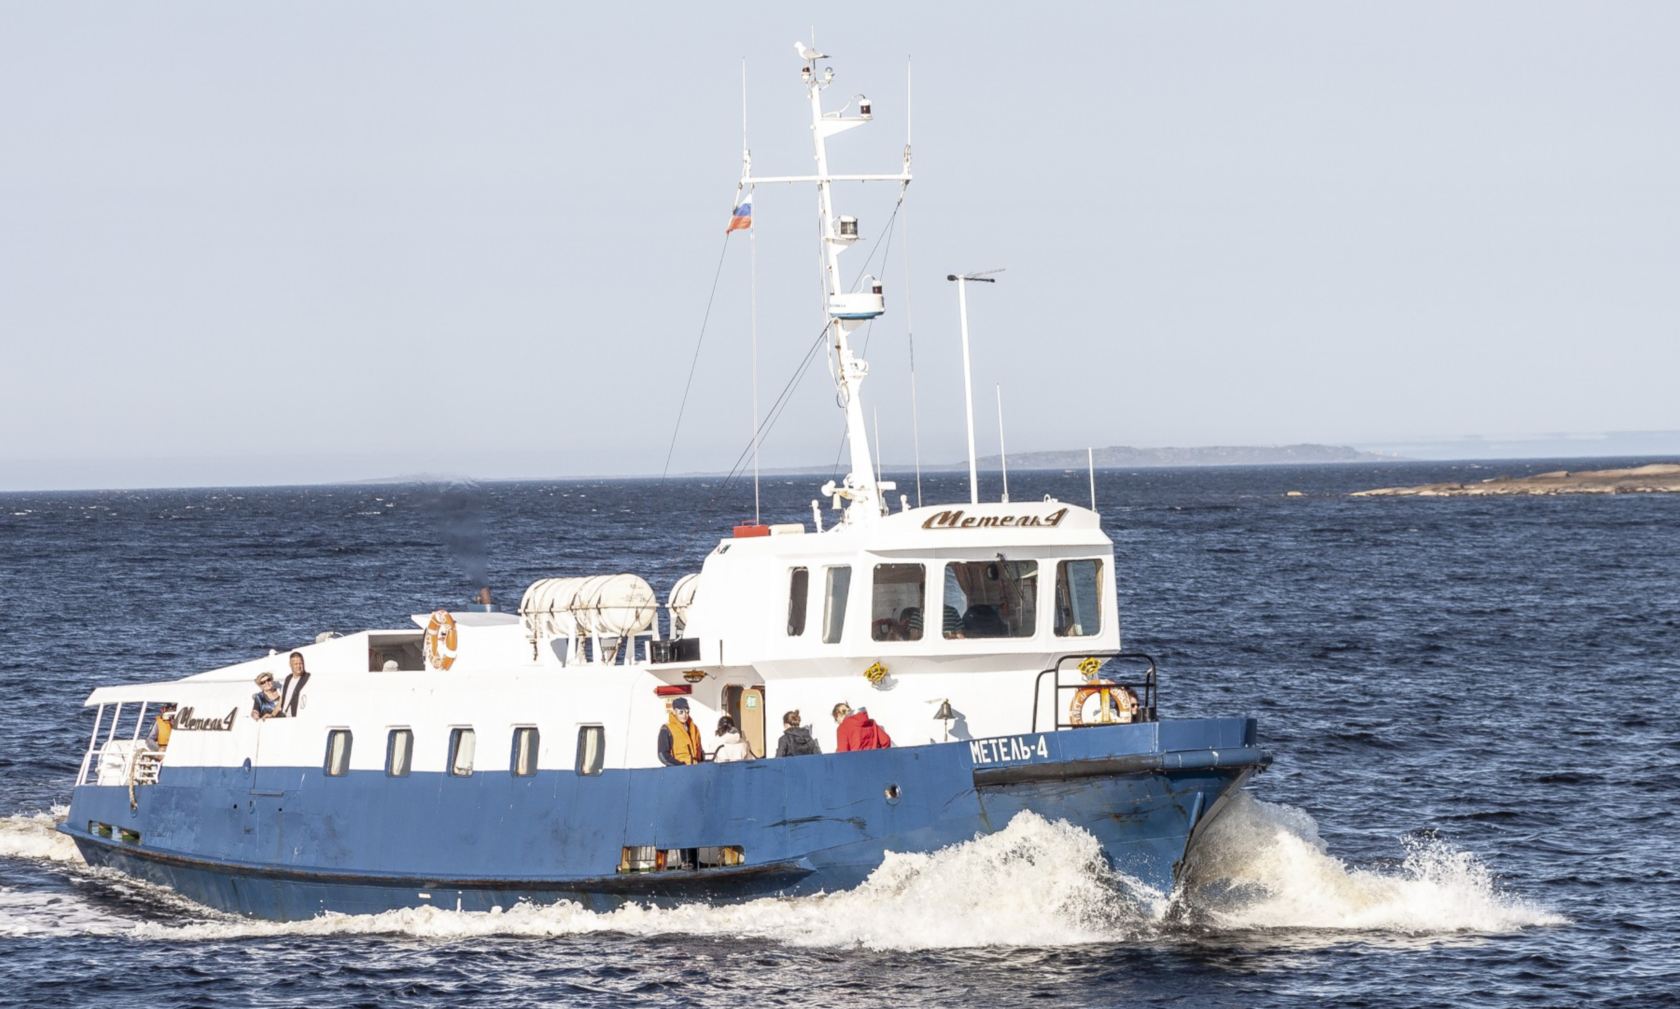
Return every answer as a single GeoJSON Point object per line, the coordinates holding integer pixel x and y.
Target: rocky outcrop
{"type": "Point", "coordinates": [1657, 478]}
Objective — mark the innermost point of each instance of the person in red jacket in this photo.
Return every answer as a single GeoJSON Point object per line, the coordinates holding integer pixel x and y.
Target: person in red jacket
{"type": "Point", "coordinates": [857, 731]}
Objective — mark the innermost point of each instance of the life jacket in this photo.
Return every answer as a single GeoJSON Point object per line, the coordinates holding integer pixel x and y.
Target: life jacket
{"type": "Point", "coordinates": [164, 728]}
{"type": "Point", "coordinates": [685, 740]}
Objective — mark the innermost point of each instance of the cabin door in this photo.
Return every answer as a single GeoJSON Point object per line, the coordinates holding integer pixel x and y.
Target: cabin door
{"type": "Point", "coordinates": [746, 706]}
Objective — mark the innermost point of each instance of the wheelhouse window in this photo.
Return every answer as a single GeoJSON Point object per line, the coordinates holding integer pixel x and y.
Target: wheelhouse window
{"type": "Point", "coordinates": [990, 599]}
{"type": "Point", "coordinates": [799, 590]}
{"type": "Point", "coordinates": [895, 612]}
{"type": "Point", "coordinates": [1078, 598]}
{"type": "Point", "coordinates": [338, 753]}
{"type": "Point", "coordinates": [591, 749]}
{"type": "Point", "coordinates": [525, 741]}
{"type": "Point", "coordinates": [834, 605]}
{"type": "Point", "coordinates": [462, 742]}
{"type": "Point", "coordinates": [399, 753]}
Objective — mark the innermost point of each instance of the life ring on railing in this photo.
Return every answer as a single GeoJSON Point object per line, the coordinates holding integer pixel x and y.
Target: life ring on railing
{"type": "Point", "coordinates": [442, 639]}
{"type": "Point", "coordinates": [1117, 705]}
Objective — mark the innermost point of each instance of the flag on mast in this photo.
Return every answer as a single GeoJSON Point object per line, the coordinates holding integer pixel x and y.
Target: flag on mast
{"type": "Point", "coordinates": [742, 218]}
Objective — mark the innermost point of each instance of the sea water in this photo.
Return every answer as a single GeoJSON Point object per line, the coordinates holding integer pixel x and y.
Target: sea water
{"type": "Point", "coordinates": [1471, 702]}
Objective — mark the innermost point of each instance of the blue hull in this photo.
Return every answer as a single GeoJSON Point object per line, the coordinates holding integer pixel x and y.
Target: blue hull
{"type": "Point", "coordinates": [291, 843]}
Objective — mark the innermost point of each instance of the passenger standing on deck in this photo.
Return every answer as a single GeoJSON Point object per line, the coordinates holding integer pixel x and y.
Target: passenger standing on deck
{"type": "Point", "coordinates": [265, 703]}
{"type": "Point", "coordinates": [292, 689]}
{"type": "Point", "coordinates": [162, 727]}
{"type": "Point", "coordinates": [857, 731]}
{"type": "Point", "coordinates": [730, 744]}
{"type": "Point", "coordinates": [679, 738]}
{"type": "Point", "coordinates": [796, 739]}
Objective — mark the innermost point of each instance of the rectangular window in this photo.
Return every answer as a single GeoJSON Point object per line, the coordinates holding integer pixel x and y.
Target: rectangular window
{"type": "Point", "coordinates": [524, 751]}
{"type": "Point", "coordinates": [461, 745]}
{"type": "Point", "coordinates": [799, 589]}
{"type": "Point", "coordinates": [895, 612]}
{"type": "Point", "coordinates": [591, 747]}
{"type": "Point", "coordinates": [338, 753]}
{"type": "Point", "coordinates": [399, 753]}
{"type": "Point", "coordinates": [990, 599]}
{"type": "Point", "coordinates": [646, 858]}
{"type": "Point", "coordinates": [1078, 598]}
{"type": "Point", "coordinates": [834, 605]}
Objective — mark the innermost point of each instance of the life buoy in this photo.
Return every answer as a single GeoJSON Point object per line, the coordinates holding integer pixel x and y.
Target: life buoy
{"type": "Point", "coordinates": [441, 640]}
{"type": "Point", "coordinates": [1117, 704]}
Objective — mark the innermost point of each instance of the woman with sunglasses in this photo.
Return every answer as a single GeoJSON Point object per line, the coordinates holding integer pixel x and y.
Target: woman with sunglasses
{"type": "Point", "coordinates": [265, 703]}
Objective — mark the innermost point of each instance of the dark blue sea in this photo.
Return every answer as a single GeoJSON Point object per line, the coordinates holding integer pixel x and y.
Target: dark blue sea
{"type": "Point", "coordinates": [1472, 704]}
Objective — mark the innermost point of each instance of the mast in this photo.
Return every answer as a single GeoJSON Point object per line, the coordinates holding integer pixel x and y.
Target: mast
{"type": "Point", "coordinates": [845, 310]}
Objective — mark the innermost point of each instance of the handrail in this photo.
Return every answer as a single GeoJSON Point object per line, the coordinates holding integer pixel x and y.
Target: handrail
{"type": "Point", "coordinates": [1143, 688]}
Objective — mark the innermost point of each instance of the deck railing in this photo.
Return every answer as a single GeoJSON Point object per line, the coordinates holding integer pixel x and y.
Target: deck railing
{"type": "Point", "coordinates": [1109, 673]}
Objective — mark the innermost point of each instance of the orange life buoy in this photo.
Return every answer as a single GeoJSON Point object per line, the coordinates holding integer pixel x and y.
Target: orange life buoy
{"type": "Point", "coordinates": [1118, 705]}
{"type": "Point", "coordinates": [441, 640]}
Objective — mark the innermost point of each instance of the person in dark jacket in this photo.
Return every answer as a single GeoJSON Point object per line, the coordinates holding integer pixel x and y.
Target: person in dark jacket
{"type": "Point", "coordinates": [291, 689]}
{"type": "Point", "coordinates": [796, 740]}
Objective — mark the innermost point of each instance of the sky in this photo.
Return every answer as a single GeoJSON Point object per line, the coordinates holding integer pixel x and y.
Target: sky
{"type": "Point", "coordinates": [267, 243]}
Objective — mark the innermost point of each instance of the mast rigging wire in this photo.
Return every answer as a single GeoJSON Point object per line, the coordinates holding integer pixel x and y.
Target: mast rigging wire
{"type": "Point", "coordinates": [700, 341]}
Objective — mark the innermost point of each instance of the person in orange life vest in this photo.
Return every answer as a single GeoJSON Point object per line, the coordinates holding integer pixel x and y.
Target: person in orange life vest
{"type": "Point", "coordinates": [162, 726]}
{"type": "Point", "coordinates": [857, 731]}
{"type": "Point", "coordinates": [679, 738]}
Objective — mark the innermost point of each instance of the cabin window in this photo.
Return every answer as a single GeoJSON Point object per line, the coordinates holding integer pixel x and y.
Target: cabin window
{"type": "Point", "coordinates": [1078, 598]}
{"type": "Point", "coordinates": [895, 612]}
{"type": "Point", "coordinates": [399, 752]}
{"type": "Point", "coordinates": [591, 749]}
{"type": "Point", "coordinates": [338, 753]}
{"type": "Point", "coordinates": [799, 588]}
{"type": "Point", "coordinates": [990, 599]}
{"type": "Point", "coordinates": [834, 607]}
{"type": "Point", "coordinates": [462, 742]}
{"type": "Point", "coordinates": [524, 751]}
{"type": "Point", "coordinates": [646, 858]}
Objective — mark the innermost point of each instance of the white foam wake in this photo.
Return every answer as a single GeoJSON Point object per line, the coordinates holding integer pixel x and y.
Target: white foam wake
{"type": "Point", "coordinates": [1035, 883]}
{"type": "Point", "coordinates": [1263, 865]}
{"type": "Point", "coordinates": [32, 835]}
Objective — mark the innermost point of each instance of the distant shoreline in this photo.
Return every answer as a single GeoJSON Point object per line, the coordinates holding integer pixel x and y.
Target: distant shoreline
{"type": "Point", "coordinates": [1653, 478]}
{"type": "Point", "coordinates": [1025, 463]}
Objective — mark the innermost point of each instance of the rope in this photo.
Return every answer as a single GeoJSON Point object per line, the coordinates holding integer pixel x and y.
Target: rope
{"type": "Point", "coordinates": [695, 363]}
{"type": "Point", "coordinates": [782, 399]}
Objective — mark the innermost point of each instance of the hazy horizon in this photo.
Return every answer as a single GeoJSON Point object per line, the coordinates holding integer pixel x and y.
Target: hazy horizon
{"type": "Point", "coordinates": [987, 465]}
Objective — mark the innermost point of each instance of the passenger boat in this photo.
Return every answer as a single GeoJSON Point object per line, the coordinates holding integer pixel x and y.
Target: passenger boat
{"type": "Point", "coordinates": [477, 759]}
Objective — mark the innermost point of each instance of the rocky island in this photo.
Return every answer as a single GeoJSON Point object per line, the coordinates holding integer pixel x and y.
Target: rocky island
{"type": "Point", "coordinates": [1656, 478]}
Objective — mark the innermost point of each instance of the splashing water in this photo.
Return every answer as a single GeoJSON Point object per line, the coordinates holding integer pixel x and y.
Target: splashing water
{"type": "Point", "coordinates": [1262, 865]}
{"type": "Point", "coordinates": [33, 835]}
{"type": "Point", "coordinates": [1035, 883]}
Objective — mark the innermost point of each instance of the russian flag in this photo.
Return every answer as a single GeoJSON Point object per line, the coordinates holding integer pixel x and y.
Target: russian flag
{"type": "Point", "coordinates": [743, 216]}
